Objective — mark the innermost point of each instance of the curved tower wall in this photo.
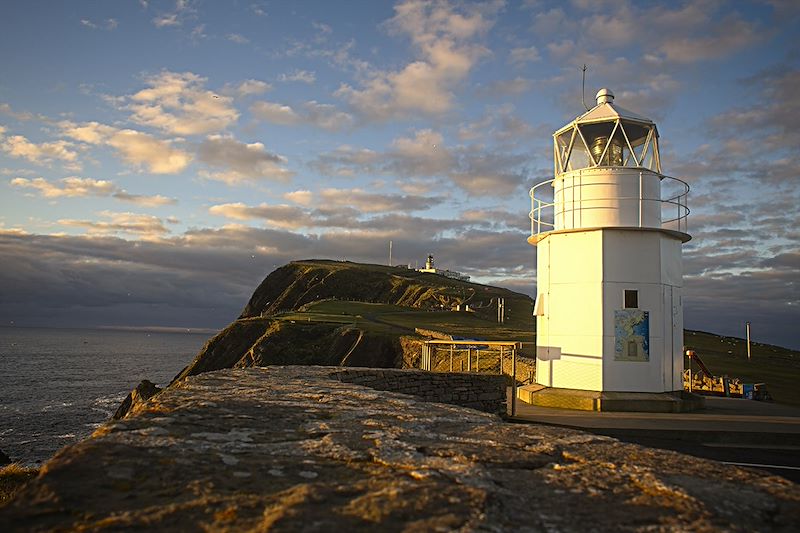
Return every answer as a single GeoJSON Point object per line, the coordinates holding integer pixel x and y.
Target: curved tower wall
{"type": "Point", "coordinates": [607, 197]}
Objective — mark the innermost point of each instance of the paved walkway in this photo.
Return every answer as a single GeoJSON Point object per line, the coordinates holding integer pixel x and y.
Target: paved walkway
{"type": "Point", "coordinates": [721, 414]}
{"type": "Point", "coordinates": [731, 430]}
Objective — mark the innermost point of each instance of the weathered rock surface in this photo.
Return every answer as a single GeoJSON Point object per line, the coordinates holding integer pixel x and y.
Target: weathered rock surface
{"type": "Point", "coordinates": [294, 449]}
{"type": "Point", "coordinates": [140, 394]}
{"type": "Point", "coordinates": [4, 459]}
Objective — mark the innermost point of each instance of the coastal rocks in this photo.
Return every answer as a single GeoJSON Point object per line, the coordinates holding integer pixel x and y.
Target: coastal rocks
{"type": "Point", "coordinates": [296, 449]}
{"type": "Point", "coordinates": [143, 392]}
{"type": "Point", "coordinates": [4, 459]}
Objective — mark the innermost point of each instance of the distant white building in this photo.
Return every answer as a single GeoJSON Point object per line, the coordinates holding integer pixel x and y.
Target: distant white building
{"type": "Point", "coordinates": [430, 269]}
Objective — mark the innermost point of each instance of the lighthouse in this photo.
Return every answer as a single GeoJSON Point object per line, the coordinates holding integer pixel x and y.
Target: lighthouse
{"type": "Point", "coordinates": [608, 229]}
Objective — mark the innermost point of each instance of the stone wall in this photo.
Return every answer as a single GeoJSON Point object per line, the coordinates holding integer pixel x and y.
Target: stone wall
{"type": "Point", "coordinates": [484, 392]}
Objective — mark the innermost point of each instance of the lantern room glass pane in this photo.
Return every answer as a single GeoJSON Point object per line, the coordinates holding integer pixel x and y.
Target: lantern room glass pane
{"type": "Point", "coordinates": [637, 133]}
{"type": "Point", "coordinates": [650, 160]}
{"type": "Point", "coordinates": [562, 144]}
{"type": "Point", "coordinates": [637, 136]}
{"type": "Point", "coordinates": [597, 136]}
{"type": "Point", "coordinates": [579, 156]}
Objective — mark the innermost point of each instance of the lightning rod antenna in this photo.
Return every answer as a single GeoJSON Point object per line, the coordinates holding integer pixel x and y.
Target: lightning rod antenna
{"type": "Point", "coordinates": [583, 87]}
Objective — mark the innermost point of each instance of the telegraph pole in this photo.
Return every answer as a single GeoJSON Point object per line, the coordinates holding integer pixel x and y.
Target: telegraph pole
{"type": "Point", "coordinates": [747, 326]}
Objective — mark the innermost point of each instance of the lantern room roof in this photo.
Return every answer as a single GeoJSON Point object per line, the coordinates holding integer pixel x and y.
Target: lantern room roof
{"type": "Point", "coordinates": [606, 111]}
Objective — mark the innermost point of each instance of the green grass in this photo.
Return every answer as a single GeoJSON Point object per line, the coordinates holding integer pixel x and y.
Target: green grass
{"type": "Point", "coordinates": [386, 318]}
{"type": "Point", "coordinates": [778, 367]}
{"type": "Point", "coordinates": [12, 478]}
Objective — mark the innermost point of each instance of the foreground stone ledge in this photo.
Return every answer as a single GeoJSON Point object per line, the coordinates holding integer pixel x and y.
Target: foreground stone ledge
{"type": "Point", "coordinates": [296, 449]}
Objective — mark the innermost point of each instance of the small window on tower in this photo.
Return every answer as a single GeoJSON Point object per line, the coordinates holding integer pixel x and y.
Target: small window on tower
{"type": "Point", "coordinates": [631, 299]}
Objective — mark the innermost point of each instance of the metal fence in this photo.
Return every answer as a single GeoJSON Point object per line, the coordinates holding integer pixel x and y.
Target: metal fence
{"type": "Point", "coordinates": [445, 352]}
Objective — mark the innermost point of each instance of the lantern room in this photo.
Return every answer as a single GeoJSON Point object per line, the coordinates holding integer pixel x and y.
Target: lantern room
{"type": "Point", "coordinates": [607, 135]}
{"type": "Point", "coordinates": [608, 174]}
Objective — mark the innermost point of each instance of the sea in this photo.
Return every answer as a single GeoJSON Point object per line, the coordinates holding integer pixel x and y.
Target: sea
{"type": "Point", "coordinates": [58, 385]}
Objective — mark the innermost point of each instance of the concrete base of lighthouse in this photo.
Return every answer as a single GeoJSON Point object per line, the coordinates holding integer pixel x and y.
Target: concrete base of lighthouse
{"type": "Point", "coordinates": [583, 400]}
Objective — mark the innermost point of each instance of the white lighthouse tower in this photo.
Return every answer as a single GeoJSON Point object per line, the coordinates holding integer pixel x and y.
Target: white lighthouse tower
{"type": "Point", "coordinates": [608, 230]}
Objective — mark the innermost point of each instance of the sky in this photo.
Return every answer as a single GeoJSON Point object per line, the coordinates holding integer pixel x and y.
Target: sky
{"type": "Point", "coordinates": [159, 158]}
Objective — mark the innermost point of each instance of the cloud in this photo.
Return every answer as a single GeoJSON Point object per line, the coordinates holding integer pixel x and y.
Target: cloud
{"type": "Point", "coordinates": [136, 148]}
{"type": "Point", "coordinates": [144, 200]}
{"type": "Point", "coordinates": [198, 33]}
{"type": "Point", "coordinates": [201, 278]}
{"type": "Point", "coordinates": [522, 55]}
{"type": "Point", "coordinates": [312, 113]}
{"type": "Point", "coordinates": [88, 132]}
{"type": "Point", "coordinates": [237, 38]}
{"type": "Point", "coordinates": [140, 149]}
{"type": "Point", "coordinates": [258, 10]}
{"type": "Point", "coordinates": [178, 103]}
{"type": "Point", "coordinates": [108, 24]}
{"type": "Point", "coordinates": [303, 76]}
{"type": "Point", "coordinates": [43, 153]}
{"type": "Point", "coordinates": [240, 162]}
{"type": "Point", "coordinates": [183, 8]}
{"type": "Point", "coordinates": [771, 118]}
{"type": "Point", "coordinates": [369, 202]}
{"type": "Point", "coordinates": [73, 186]}
{"type": "Point", "coordinates": [478, 171]}
{"type": "Point", "coordinates": [341, 214]}
{"type": "Point", "coordinates": [301, 197]}
{"type": "Point", "coordinates": [324, 29]}
{"type": "Point", "coordinates": [731, 34]}
{"type": "Point", "coordinates": [282, 216]}
{"type": "Point", "coordinates": [647, 46]}
{"type": "Point", "coordinates": [166, 19]}
{"type": "Point", "coordinates": [19, 115]}
{"type": "Point", "coordinates": [250, 88]}
{"type": "Point", "coordinates": [677, 33]}
{"type": "Point", "coordinates": [143, 226]}
{"type": "Point", "coordinates": [275, 113]}
{"type": "Point", "coordinates": [443, 36]}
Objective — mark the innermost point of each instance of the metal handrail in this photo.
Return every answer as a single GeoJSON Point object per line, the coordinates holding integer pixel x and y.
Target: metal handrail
{"type": "Point", "coordinates": [543, 213]}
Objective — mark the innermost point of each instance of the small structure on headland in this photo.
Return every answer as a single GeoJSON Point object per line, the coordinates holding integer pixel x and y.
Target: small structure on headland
{"type": "Point", "coordinates": [431, 269]}
{"type": "Point", "coordinates": [608, 230]}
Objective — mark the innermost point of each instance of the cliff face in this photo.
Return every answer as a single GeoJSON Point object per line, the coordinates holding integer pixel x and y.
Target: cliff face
{"type": "Point", "coordinates": [248, 343]}
{"type": "Point", "coordinates": [264, 334]}
{"type": "Point", "coordinates": [296, 449]}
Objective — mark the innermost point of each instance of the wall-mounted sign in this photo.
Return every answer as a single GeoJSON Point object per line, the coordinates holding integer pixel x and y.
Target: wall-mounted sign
{"type": "Point", "coordinates": [631, 335]}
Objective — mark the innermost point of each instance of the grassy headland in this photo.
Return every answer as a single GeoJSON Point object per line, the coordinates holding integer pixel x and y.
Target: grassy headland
{"type": "Point", "coordinates": [343, 313]}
